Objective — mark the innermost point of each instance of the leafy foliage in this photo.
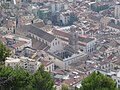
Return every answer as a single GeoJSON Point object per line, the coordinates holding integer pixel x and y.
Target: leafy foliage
{"type": "Point", "coordinates": [4, 52]}
{"type": "Point", "coordinates": [19, 79]}
{"type": "Point", "coordinates": [64, 87]}
{"type": "Point", "coordinates": [42, 80]}
{"type": "Point", "coordinates": [98, 81]}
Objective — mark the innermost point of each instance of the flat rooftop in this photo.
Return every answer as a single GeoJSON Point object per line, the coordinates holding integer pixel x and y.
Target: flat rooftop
{"type": "Point", "coordinates": [65, 29]}
{"type": "Point", "coordinates": [12, 60]}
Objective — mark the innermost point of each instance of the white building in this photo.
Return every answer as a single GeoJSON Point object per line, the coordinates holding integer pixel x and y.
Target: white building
{"type": "Point", "coordinates": [57, 6]}
{"type": "Point", "coordinates": [114, 27]}
{"type": "Point", "coordinates": [64, 58]}
{"type": "Point", "coordinates": [18, 43]}
{"type": "Point", "coordinates": [38, 1]}
{"type": "Point", "coordinates": [70, 1]}
{"type": "Point", "coordinates": [24, 62]}
{"type": "Point", "coordinates": [111, 69]}
{"type": "Point", "coordinates": [87, 44]}
{"type": "Point", "coordinates": [5, 30]}
{"type": "Point", "coordinates": [48, 66]}
{"type": "Point", "coordinates": [49, 40]}
{"type": "Point", "coordinates": [65, 17]}
{"type": "Point", "coordinates": [71, 35]}
{"type": "Point", "coordinates": [14, 1]}
{"type": "Point", "coordinates": [117, 79]}
{"type": "Point", "coordinates": [117, 10]}
{"type": "Point", "coordinates": [25, 19]}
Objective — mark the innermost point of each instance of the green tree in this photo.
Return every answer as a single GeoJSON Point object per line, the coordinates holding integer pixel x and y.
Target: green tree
{"type": "Point", "coordinates": [5, 78]}
{"type": "Point", "coordinates": [4, 52]}
{"type": "Point", "coordinates": [41, 80]}
{"type": "Point", "coordinates": [20, 79]}
{"type": "Point", "coordinates": [98, 81]}
{"type": "Point", "coordinates": [14, 79]}
{"type": "Point", "coordinates": [64, 87]}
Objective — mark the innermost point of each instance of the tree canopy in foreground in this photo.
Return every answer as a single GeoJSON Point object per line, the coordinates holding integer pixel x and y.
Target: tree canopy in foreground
{"type": "Point", "coordinates": [4, 52]}
{"type": "Point", "coordinates": [19, 79]}
{"type": "Point", "coordinates": [98, 81]}
{"type": "Point", "coordinates": [64, 87]}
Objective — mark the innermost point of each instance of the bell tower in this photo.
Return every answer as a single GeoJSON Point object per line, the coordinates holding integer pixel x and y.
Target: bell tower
{"type": "Point", "coordinates": [73, 38]}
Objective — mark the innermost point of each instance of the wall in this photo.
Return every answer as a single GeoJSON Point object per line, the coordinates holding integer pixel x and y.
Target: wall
{"type": "Point", "coordinates": [57, 62]}
{"type": "Point", "coordinates": [49, 68]}
{"type": "Point", "coordinates": [56, 45]}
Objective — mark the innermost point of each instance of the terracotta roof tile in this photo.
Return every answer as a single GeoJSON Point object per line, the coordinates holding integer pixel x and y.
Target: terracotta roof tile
{"type": "Point", "coordinates": [18, 44]}
{"type": "Point", "coordinates": [46, 63]}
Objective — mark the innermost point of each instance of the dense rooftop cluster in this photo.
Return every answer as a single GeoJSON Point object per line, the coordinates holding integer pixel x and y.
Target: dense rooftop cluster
{"type": "Point", "coordinates": [71, 38]}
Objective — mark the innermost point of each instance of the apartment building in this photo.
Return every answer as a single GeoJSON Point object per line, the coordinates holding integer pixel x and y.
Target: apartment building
{"type": "Point", "coordinates": [29, 64]}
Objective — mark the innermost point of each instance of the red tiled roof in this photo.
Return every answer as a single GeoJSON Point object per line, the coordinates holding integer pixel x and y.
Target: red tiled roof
{"type": "Point", "coordinates": [114, 25]}
{"type": "Point", "coordinates": [59, 71]}
{"type": "Point", "coordinates": [81, 44]}
{"type": "Point", "coordinates": [36, 58]}
{"type": "Point", "coordinates": [64, 39]}
{"type": "Point", "coordinates": [46, 48]}
{"type": "Point", "coordinates": [110, 57]}
{"type": "Point", "coordinates": [46, 63]}
{"type": "Point", "coordinates": [3, 40]}
{"type": "Point", "coordinates": [60, 33]}
{"type": "Point", "coordinates": [18, 44]}
{"type": "Point", "coordinates": [39, 24]}
{"type": "Point", "coordinates": [73, 81]}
